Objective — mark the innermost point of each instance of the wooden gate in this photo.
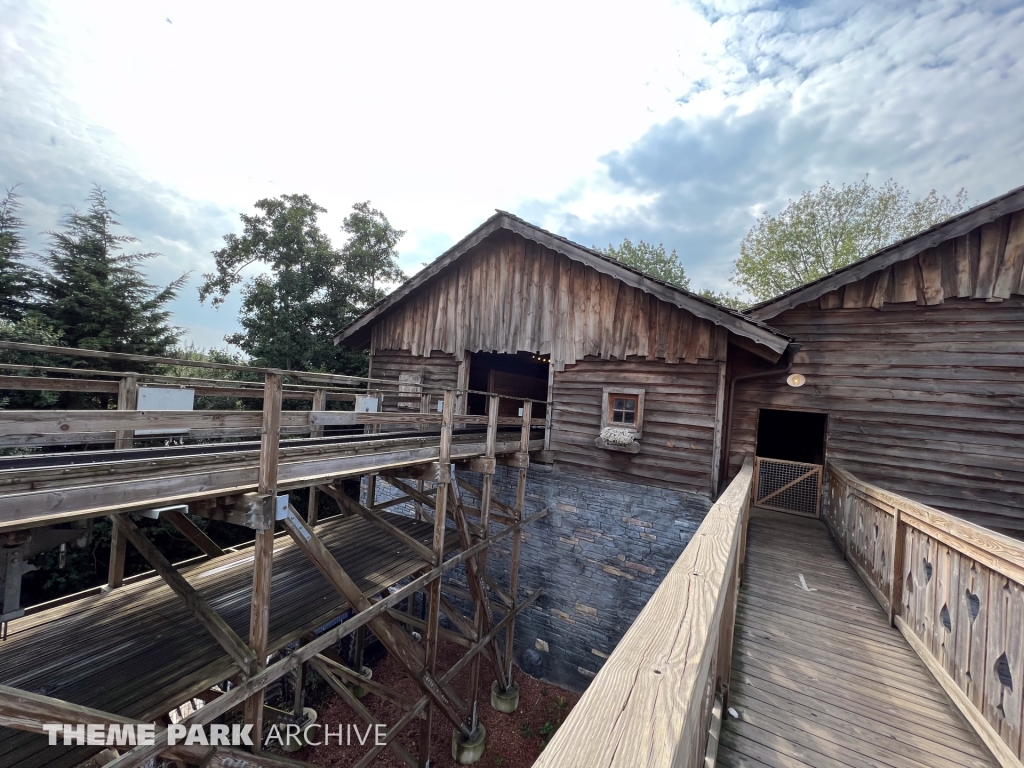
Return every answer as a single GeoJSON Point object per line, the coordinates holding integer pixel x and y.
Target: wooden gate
{"type": "Point", "coordinates": [787, 486]}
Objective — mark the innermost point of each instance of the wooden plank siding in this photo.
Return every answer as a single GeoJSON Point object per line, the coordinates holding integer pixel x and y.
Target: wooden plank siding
{"type": "Point", "coordinates": [677, 447]}
{"type": "Point", "coordinates": [510, 295]}
{"type": "Point", "coordinates": [439, 371]}
{"type": "Point", "coordinates": [924, 399]}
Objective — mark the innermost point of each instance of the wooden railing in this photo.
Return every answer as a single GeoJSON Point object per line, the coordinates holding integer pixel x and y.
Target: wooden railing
{"type": "Point", "coordinates": [954, 589]}
{"type": "Point", "coordinates": [652, 703]}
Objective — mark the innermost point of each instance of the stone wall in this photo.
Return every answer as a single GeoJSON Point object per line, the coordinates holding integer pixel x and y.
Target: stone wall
{"type": "Point", "coordinates": [598, 555]}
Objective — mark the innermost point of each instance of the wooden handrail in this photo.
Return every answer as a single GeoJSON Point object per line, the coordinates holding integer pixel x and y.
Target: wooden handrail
{"type": "Point", "coordinates": [651, 703]}
{"type": "Point", "coordinates": [954, 589]}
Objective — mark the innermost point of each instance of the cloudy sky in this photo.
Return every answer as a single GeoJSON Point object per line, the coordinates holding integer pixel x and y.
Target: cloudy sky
{"type": "Point", "coordinates": [672, 122]}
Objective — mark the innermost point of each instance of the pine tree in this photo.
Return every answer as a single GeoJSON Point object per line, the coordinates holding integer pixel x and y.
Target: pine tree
{"type": "Point", "coordinates": [17, 278]}
{"type": "Point", "coordinates": [95, 294]}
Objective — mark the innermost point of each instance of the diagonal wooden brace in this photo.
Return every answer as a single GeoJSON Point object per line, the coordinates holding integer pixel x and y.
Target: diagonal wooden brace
{"type": "Point", "coordinates": [357, 706]}
{"type": "Point", "coordinates": [383, 626]}
{"type": "Point", "coordinates": [243, 655]}
{"type": "Point", "coordinates": [476, 586]}
{"type": "Point", "coordinates": [370, 516]}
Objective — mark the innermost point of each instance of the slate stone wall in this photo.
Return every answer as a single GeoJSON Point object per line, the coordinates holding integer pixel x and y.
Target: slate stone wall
{"type": "Point", "coordinates": [598, 556]}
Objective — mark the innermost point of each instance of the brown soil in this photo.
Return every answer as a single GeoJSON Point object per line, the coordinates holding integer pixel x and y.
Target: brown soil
{"type": "Point", "coordinates": [513, 741]}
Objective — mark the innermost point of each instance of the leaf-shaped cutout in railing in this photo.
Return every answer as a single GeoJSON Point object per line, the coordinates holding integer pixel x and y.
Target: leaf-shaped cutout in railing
{"type": "Point", "coordinates": [975, 603]}
{"type": "Point", "coordinates": [927, 571]}
{"type": "Point", "coordinates": [910, 582]}
{"type": "Point", "coordinates": [1003, 672]}
{"type": "Point", "coordinates": [944, 618]}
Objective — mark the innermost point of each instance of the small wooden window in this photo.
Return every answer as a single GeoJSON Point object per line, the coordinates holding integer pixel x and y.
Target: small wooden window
{"type": "Point", "coordinates": [623, 408]}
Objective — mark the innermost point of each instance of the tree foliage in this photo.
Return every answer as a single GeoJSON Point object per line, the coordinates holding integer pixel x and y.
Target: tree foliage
{"type": "Point", "coordinates": [308, 289]}
{"type": "Point", "coordinates": [726, 299]}
{"type": "Point", "coordinates": [369, 255]}
{"type": "Point", "coordinates": [95, 295]}
{"type": "Point", "coordinates": [652, 259]}
{"type": "Point", "coordinates": [17, 279]}
{"type": "Point", "coordinates": [827, 229]}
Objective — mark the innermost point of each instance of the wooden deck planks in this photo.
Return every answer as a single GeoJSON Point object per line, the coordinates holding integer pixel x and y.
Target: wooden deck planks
{"type": "Point", "coordinates": [819, 678]}
{"type": "Point", "coordinates": [139, 652]}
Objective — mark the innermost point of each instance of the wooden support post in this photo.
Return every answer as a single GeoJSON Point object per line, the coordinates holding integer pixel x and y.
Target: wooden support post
{"type": "Point", "coordinates": [434, 589]}
{"type": "Point", "coordinates": [897, 558]}
{"type": "Point", "coordinates": [517, 538]}
{"type": "Point", "coordinates": [383, 626]}
{"type": "Point", "coordinates": [424, 408]}
{"type": "Point", "coordinates": [549, 407]}
{"type": "Point", "coordinates": [115, 567]}
{"type": "Point", "coordinates": [209, 618]}
{"type": "Point", "coordinates": [485, 519]}
{"type": "Point", "coordinates": [371, 490]}
{"type": "Point", "coordinates": [299, 694]}
{"type": "Point", "coordinates": [263, 559]}
{"type": "Point", "coordinates": [192, 532]}
{"type": "Point", "coordinates": [317, 430]}
{"type": "Point", "coordinates": [127, 400]}
{"type": "Point", "coordinates": [716, 449]}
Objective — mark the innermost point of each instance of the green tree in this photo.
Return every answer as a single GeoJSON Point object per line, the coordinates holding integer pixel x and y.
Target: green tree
{"type": "Point", "coordinates": [652, 259]}
{"type": "Point", "coordinates": [309, 289]}
{"type": "Point", "coordinates": [369, 255]}
{"type": "Point", "coordinates": [96, 296]}
{"type": "Point", "coordinates": [726, 299]}
{"type": "Point", "coordinates": [830, 228]}
{"type": "Point", "coordinates": [17, 279]}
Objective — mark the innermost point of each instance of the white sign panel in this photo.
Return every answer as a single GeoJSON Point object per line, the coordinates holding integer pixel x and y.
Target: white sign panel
{"type": "Point", "coordinates": [165, 399]}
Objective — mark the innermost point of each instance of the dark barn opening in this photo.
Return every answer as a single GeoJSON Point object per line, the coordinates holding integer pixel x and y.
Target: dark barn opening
{"type": "Point", "coordinates": [791, 436]}
{"type": "Point", "coordinates": [521, 375]}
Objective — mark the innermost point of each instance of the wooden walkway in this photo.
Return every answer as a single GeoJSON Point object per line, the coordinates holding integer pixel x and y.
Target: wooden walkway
{"type": "Point", "coordinates": [819, 678]}
{"type": "Point", "coordinates": [139, 652]}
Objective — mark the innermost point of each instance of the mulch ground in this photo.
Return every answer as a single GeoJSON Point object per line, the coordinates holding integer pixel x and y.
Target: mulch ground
{"type": "Point", "coordinates": [513, 741]}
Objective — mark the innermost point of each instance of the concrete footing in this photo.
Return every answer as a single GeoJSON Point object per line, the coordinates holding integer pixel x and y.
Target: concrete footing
{"type": "Point", "coordinates": [468, 750]}
{"type": "Point", "coordinates": [505, 701]}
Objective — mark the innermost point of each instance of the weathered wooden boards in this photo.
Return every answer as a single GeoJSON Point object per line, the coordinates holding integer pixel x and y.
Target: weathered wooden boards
{"type": "Point", "coordinates": [680, 412]}
{"type": "Point", "coordinates": [97, 489]}
{"type": "Point", "coordinates": [120, 659]}
{"type": "Point", "coordinates": [819, 678]}
{"type": "Point", "coordinates": [650, 705]}
{"type": "Point", "coordinates": [927, 400]}
{"type": "Point", "coordinates": [986, 263]}
{"type": "Point", "coordinates": [511, 294]}
{"type": "Point", "coordinates": [957, 595]}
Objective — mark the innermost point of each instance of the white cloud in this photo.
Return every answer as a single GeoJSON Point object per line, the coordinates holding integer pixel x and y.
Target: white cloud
{"type": "Point", "coordinates": [600, 120]}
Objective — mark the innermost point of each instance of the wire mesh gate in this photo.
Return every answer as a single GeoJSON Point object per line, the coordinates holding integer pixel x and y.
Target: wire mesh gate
{"type": "Point", "coordinates": [787, 486]}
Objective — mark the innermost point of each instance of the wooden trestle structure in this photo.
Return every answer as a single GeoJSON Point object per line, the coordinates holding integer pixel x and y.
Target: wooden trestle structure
{"type": "Point", "coordinates": [141, 647]}
{"type": "Point", "coordinates": [763, 648]}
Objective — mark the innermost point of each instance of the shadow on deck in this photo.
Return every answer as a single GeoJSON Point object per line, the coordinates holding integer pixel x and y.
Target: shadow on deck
{"type": "Point", "coordinates": [819, 678]}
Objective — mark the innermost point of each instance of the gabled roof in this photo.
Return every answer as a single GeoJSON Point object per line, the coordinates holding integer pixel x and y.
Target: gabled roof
{"type": "Point", "coordinates": [736, 322]}
{"type": "Point", "coordinates": [956, 226]}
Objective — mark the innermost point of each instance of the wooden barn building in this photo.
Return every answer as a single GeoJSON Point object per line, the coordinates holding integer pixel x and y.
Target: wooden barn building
{"type": "Point", "coordinates": [907, 368]}
{"type": "Point", "coordinates": [516, 310]}
{"type": "Point", "coordinates": [913, 360]}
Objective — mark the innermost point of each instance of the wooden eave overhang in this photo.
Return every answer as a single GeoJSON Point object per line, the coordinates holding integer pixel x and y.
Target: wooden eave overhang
{"type": "Point", "coordinates": [760, 337]}
{"type": "Point", "coordinates": [905, 249]}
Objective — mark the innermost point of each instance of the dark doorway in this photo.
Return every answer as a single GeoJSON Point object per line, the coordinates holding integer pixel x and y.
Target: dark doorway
{"type": "Point", "coordinates": [521, 375]}
{"type": "Point", "coordinates": [791, 436]}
